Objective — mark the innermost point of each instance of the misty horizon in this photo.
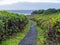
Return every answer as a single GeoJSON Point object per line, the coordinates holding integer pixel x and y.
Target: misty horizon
{"type": "Point", "coordinates": [29, 6]}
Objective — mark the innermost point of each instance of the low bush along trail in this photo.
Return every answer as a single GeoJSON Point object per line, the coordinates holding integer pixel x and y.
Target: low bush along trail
{"type": "Point", "coordinates": [11, 24]}
{"type": "Point", "coordinates": [50, 24]}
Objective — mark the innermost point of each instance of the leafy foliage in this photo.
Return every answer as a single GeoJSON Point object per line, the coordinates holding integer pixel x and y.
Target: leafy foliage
{"type": "Point", "coordinates": [50, 24]}
{"type": "Point", "coordinates": [11, 23]}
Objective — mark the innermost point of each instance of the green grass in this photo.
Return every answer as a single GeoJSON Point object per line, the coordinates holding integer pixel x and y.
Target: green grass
{"type": "Point", "coordinates": [41, 39]}
{"type": "Point", "coordinates": [41, 35]}
{"type": "Point", "coordinates": [16, 39]}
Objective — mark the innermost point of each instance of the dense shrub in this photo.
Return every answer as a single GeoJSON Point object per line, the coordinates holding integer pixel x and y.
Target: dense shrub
{"type": "Point", "coordinates": [51, 26]}
{"type": "Point", "coordinates": [11, 23]}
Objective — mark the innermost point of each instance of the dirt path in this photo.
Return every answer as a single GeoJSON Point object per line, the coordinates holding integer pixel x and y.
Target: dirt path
{"type": "Point", "coordinates": [31, 37]}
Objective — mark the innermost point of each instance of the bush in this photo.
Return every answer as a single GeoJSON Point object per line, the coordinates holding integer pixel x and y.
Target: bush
{"type": "Point", "coordinates": [11, 23]}
{"type": "Point", "coordinates": [51, 26]}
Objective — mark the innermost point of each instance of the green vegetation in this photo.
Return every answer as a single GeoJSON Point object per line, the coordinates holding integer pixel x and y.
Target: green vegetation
{"type": "Point", "coordinates": [41, 39]}
{"type": "Point", "coordinates": [48, 28]}
{"type": "Point", "coordinates": [12, 24]}
{"type": "Point", "coordinates": [14, 40]}
{"type": "Point", "coordinates": [14, 27]}
{"type": "Point", "coordinates": [48, 11]}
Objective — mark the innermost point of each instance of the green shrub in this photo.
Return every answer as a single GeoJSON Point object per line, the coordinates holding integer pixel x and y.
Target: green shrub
{"type": "Point", "coordinates": [11, 23]}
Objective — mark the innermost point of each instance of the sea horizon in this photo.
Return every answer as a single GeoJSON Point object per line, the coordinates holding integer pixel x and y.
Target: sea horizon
{"type": "Point", "coordinates": [25, 12]}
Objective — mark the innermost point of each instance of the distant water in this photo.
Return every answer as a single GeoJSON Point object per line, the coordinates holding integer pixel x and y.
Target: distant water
{"type": "Point", "coordinates": [26, 12]}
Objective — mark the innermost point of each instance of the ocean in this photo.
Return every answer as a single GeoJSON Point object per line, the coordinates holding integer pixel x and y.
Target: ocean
{"type": "Point", "coordinates": [25, 12]}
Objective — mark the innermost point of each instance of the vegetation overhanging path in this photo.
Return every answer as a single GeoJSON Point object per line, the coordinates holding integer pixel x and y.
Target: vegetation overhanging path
{"type": "Point", "coordinates": [31, 37]}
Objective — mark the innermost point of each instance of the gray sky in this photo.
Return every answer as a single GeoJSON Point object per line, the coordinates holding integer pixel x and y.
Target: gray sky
{"type": "Point", "coordinates": [28, 4]}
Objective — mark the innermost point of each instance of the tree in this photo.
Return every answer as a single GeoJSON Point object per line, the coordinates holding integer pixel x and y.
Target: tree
{"type": "Point", "coordinates": [37, 12]}
{"type": "Point", "coordinates": [50, 11]}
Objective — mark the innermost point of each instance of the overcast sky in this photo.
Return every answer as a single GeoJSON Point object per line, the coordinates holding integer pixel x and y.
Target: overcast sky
{"type": "Point", "coordinates": [28, 4]}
